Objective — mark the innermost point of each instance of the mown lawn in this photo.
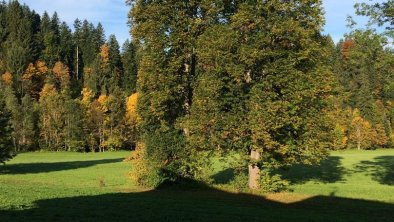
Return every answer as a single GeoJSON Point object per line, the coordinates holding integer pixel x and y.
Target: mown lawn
{"type": "Point", "coordinates": [349, 186]}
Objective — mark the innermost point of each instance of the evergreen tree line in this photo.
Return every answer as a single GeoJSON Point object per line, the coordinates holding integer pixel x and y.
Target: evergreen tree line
{"type": "Point", "coordinates": [63, 90]}
{"type": "Point", "coordinates": [364, 111]}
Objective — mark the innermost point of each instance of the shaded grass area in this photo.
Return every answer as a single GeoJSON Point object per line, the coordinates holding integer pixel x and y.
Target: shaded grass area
{"type": "Point", "coordinates": [349, 186]}
{"type": "Point", "coordinates": [31, 168]}
{"type": "Point", "coordinates": [380, 168]}
{"type": "Point", "coordinates": [357, 174]}
{"type": "Point", "coordinates": [207, 205]}
{"type": "Point", "coordinates": [329, 170]}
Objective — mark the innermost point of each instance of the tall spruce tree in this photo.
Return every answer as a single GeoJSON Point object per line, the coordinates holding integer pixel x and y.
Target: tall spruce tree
{"type": "Point", "coordinates": [50, 38]}
{"type": "Point", "coordinates": [5, 132]}
{"type": "Point", "coordinates": [130, 67]}
{"type": "Point", "coordinates": [115, 64]}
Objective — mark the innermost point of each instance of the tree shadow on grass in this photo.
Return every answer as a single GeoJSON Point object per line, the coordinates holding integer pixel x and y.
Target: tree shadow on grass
{"type": "Point", "coordinates": [224, 176]}
{"type": "Point", "coordinates": [381, 169]}
{"type": "Point", "coordinates": [32, 168]}
{"type": "Point", "coordinates": [329, 170]}
{"type": "Point", "coordinates": [199, 204]}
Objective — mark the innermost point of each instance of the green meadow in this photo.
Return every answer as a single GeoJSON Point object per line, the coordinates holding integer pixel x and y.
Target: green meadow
{"type": "Point", "coordinates": [348, 186]}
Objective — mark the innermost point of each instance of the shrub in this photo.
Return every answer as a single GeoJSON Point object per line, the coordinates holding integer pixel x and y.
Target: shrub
{"type": "Point", "coordinates": [143, 173]}
{"type": "Point", "coordinates": [113, 143]}
{"type": "Point", "coordinates": [240, 181]}
{"type": "Point", "coordinates": [272, 183]}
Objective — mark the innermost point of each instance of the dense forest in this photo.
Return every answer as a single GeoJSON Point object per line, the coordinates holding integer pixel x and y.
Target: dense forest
{"type": "Point", "coordinates": [65, 90]}
{"type": "Point", "coordinates": [255, 78]}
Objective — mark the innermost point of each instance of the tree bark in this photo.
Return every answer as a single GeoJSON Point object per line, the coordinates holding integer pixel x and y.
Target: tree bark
{"type": "Point", "coordinates": [359, 138]}
{"type": "Point", "coordinates": [254, 171]}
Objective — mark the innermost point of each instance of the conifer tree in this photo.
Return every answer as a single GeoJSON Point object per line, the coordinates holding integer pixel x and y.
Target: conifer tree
{"type": "Point", "coordinates": [66, 46]}
{"type": "Point", "coordinates": [365, 73]}
{"type": "Point", "coordinates": [115, 64]}
{"type": "Point", "coordinates": [74, 137]}
{"type": "Point", "coordinates": [130, 67]}
{"type": "Point", "coordinates": [51, 39]}
{"type": "Point", "coordinates": [5, 132]}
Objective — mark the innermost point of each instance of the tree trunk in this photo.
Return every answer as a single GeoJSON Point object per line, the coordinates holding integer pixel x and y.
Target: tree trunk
{"type": "Point", "coordinates": [358, 138]}
{"type": "Point", "coordinates": [254, 171]}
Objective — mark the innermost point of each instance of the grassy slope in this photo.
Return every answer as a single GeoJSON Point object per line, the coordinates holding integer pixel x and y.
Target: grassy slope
{"type": "Point", "coordinates": [67, 187]}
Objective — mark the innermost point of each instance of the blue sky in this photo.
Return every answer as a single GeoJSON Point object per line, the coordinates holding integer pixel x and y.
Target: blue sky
{"type": "Point", "coordinates": [113, 14]}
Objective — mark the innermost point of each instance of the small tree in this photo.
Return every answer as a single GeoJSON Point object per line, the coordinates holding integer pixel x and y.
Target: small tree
{"type": "Point", "coordinates": [381, 138]}
{"type": "Point", "coordinates": [361, 132]}
{"type": "Point", "coordinates": [131, 120]}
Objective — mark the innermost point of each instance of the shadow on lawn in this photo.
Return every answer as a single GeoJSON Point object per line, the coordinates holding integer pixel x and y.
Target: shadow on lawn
{"type": "Point", "coordinates": [381, 169]}
{"type": "Point", "coordinates": [329, 170]}
{"type": "Point", "coordinates": [199, 204]}
{"type": "Point", "coordinates": [31, 168]}
{"type": "Point", "coordinates": [224, 176]}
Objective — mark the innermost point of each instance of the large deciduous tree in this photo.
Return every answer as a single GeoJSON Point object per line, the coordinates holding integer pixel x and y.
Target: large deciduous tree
{"type": "Point", "coordinates": [249, 76]}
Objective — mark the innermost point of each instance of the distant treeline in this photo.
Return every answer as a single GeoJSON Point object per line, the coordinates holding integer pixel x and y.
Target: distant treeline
{"type": "Point", "coordinates": [65, 90]}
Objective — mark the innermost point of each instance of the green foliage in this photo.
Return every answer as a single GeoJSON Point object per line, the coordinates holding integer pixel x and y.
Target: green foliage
{"type": "Point", "coordinates": [365, 72]}
{"type": "Point", "coordinates": [23, 120]}
{"type": "Point", "coordinates": [130, 67]}
{"type": "Point", "coordinates": [272, 183]}
{"type": "Point", "coordinates": [240, 181]}
{"type": "Point", "coordinates": [74, 137]}
{"type": "Point", "coordinates": [50, 38]}
{"type": "Point", "coordinates": [379, 13]}
{"type": "Point", "coordinates": [232, 76]}
{"type": "Point", "coordinates": [44, 66]}
{"type": "Point", "coordinates": [113, 143]}
{"type": "Point", "coordinates": [145, 173]}
{"type": "Point", "coordinates": [5, 132]}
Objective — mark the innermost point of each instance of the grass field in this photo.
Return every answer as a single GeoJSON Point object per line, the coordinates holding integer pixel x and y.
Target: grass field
{"type": "Point", "coordinates": [349, 186]}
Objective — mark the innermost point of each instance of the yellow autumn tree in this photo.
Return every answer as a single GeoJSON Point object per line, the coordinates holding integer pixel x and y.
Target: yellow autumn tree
{"type": "Point", "coordinates": [131, 109]}
{"type": "Point", "coordinates": [7, 78]}
{"type": "Point", "coordinates": [42, 67]}
{"type": "Point", "coordinates": [381, 138]}
{"type": "Point", "coordinates": [102, 100]}
{"type": "Point", "coordinates": [104, 54]}
{"type": "Point", "coordinates": [132, 119]}
{"type": "Point", "coordinates": [33, 78]}
{"type": "Point", "coordinates": [87, 96]}
{"type": "Point", "coordinates": [28, 77]}
{"type": "Point", "coordinates": [361, 131]}
{"type": "Point", "coordinates": [51, 118]}
{"type": "Point", "coordinates": [95, 110]}
{"type": "Point", "coordinates": [62, 74]}
{"type": "Point", "coordinates": [340, 138]}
